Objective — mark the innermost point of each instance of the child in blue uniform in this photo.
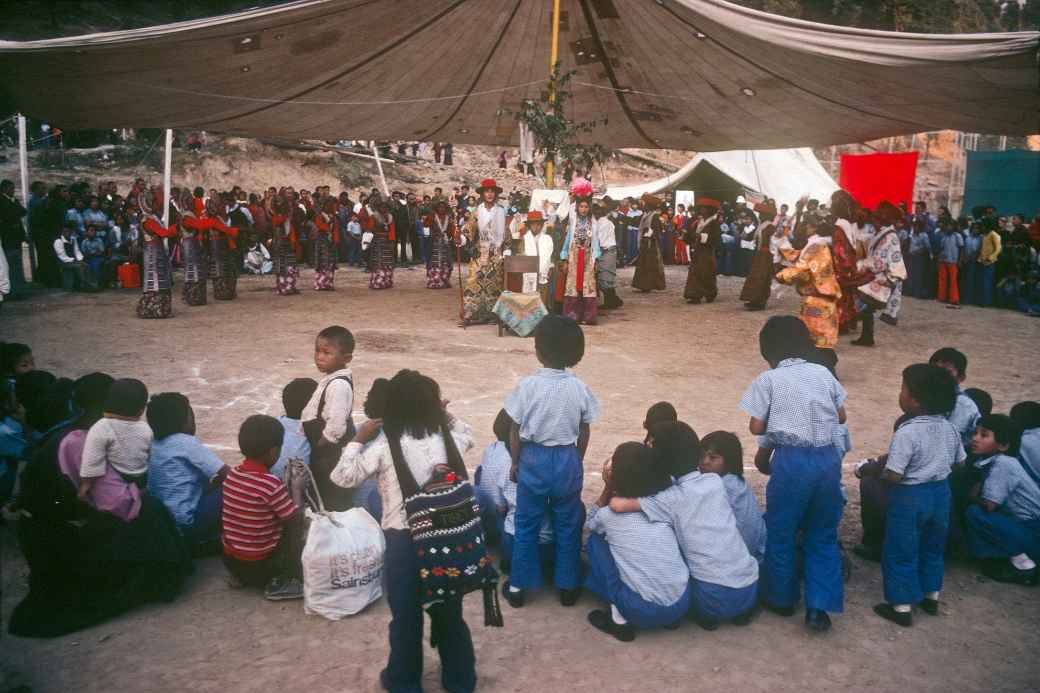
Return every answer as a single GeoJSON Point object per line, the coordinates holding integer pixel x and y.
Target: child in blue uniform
{"type": "Point", "coordinates": [551, 412]}
{"type": "Point", "coordinates": [965, 412]}
{"type": "Point", "coordinates": [921, 456]}
{"type": "Point", "coordinates": [1004, 520]}
{"type": "Point", "coordinates": [796, 407]}
{"type": "Point", "coordinates": [724, 455]}
{"type": "Point", "coordinates": [1026, 416]}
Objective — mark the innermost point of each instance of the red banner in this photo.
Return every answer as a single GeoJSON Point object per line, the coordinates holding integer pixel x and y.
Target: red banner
{"type": "Point", "coordinates": [873, 178]}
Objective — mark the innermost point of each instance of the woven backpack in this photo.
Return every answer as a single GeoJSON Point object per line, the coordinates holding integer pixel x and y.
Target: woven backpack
{"type": "Point", "coordinates": [447, 537]}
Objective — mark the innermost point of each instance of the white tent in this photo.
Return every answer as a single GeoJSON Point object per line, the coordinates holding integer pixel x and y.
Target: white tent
{"type": "Point", "coordinates": [783, 174]}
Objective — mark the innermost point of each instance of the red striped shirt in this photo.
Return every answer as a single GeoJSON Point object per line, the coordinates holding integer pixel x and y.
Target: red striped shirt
{"type": "Point", "coordinates": [255, 504]}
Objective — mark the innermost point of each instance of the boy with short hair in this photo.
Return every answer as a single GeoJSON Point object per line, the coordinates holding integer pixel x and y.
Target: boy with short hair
{"type": "Point", "coordinates": [1004, 521]}
{"type": "Point", "coordinates": [965, 412]}
{"type": "Point", "coordinates": [295, 446]}
{"type": "Point", "coordinates": [263, 526]}
{"type": "Point", "coordinates": [327, 417]}
{"type": "Point", "coordinates": [922, 454]}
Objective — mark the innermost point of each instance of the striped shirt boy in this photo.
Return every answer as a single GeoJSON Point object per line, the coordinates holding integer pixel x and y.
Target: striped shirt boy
{"type": "Point", "coordinates": [256, 504]}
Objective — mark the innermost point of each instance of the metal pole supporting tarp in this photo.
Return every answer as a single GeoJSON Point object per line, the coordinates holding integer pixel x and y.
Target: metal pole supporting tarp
{"type": "Point", "coordinates": [23, 172]}
{"type": "Point", "coordinates": [167, 174]}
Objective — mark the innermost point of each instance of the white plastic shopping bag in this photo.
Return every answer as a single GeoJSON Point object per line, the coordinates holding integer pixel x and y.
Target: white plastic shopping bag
{"type": "Point", "coordinates": [342, 563]}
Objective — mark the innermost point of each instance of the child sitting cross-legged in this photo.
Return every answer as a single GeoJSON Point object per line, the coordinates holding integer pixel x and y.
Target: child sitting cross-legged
{"type": "Point", "coordinates": [120, 439]}
{"type": "Point", "coordinates": [662, 412]}
{"type": "Point", "coordinates": [295, 445]}
{"type": "Point", "coordinates": [920, 458]}
{"type": "Point", "coordinates": [1004, 521]}
{"type": "Point", "coordinates": [634, 563]}
{"type": "Point", "coordinates": [263, 526]}
{"type": "Point", "coordinates": [1026, 416]}
{"type": "Point", "coordinates": [495, 462]}
{"type": "Point", "coordinates": [724, 574]}
{"type": "Point", "coordinates": [724, 455]}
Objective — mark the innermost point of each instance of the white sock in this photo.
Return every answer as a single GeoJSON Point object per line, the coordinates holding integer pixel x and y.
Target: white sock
{"type": "Point", "coordinates": [514, 590]}
{"type": "Point", "coordinates": [934, 596]}
{"type": "Point", "coordinates": [616, 616]}
{"type": "Point", "coordinates": [1023, 562]}
{"type": "Point", "coordinates": [901, 608]}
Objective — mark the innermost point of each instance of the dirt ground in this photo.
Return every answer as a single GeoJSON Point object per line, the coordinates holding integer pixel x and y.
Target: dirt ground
{"type": "Point", "coordinates": [232, 359]}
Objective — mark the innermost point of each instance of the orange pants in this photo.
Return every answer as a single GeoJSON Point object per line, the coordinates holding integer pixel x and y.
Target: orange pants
{"type": "Point", "coordinates": [948, 290]}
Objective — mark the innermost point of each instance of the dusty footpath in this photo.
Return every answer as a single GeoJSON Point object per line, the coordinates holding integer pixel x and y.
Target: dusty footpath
{"type": "Point", "coordinates": [232, 359]}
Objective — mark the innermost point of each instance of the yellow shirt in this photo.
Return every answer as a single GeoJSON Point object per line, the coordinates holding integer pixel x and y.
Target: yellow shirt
{"type": "Point", "coordinates": [990, 248]}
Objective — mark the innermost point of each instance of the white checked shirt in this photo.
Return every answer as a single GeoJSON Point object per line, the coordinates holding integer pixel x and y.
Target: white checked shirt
{"type": "Point", "coordinates": [799, 402]}
{"type": "Point", "coordinates": [924, 449]}
{"type": "Point", "coordinates": [550, 406]}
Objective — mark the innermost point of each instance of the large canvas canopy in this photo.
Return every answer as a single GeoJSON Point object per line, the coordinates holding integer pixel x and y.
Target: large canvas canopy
{"type": "Point", "coordinates": [702, 75]}
{"type": "Point", "coordinates": [783, 174]}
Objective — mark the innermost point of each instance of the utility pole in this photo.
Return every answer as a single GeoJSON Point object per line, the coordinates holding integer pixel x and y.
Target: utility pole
{"type": "Point", "coordinates": [553, 58]}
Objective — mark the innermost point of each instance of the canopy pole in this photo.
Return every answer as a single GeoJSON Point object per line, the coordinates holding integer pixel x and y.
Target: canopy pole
{"type": "Point", "coordinates": [167, 174]}
{"type": "Point", "coordinates": [379, 165]}
{"type": "Point", "coordinates": [553, 57]}
{"type": "Point", "coordinates": [23, 172]}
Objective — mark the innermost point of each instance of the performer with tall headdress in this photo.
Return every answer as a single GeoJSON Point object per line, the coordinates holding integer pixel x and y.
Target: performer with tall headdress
{"type": "Point", "coordinates": [759, 282]}
{"type": "Point", "coordinates": [885, 262]}
{"type": "Point", "coordinates": [157, 280]}
{"type": "Point", "coordinates": [380, 223]}
{"type": "Point", "coordinates": [193, 252]}
{"type": "Point", "coordinates": [484, 283]}
{"type": "Point", "coordinates": [442, 246]}
{"type": "Point", "coordinates": [223, 269]}
{"type": "Point", "coordinates": [847, 268]}
{"type": "Point", "coordinates": [649, 274]}
{"type": "Point", "coordinates": [324, 246]}
{"type": "Point", "coordinates": [578, 257]}
{"type": "Point", "coordinates": [703, 237]}
{"type": "Point", "coordinates": [284, 218]}
{"type": "Point", "coordinates": [811, 272]}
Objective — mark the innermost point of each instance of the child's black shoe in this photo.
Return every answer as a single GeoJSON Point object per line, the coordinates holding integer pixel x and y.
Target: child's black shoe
{"type": "Point", "coordinates": [602, 621]}
{"type": "Point", "coordinates": [817, 620]}
{"type": "Point", "coordinates": [705, 622]}
{"type": "Point", "coordinates": [746, 618]}
{"type": "Point", "coordinates": [515, 599]}
{"type": "Point", "coordinates": [1003, 571]}
{"type": "Point", "coordinates": [570, 597]}
{"type": "Point", "coordinates": [930, 606]}
{"type": "Point", "coordinates": [885, 611]}
{"type": "Point", "coordinates": [779, 610]}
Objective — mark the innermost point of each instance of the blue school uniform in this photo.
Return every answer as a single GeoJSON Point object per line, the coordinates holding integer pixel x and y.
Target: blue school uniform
{"type": "Point", "coordinates": [723, 574]}
{"type": "Point", "coordinates": [294, 446]}
{"type": "Point", "coordinates": [964, 416]}
{"type": "Point", "coordinates": [1029, 452]}
{"type": "Point", "coordinates": [799, 402]}
{"type": "Point", "coordinates": [636, 565]}
{"type": "Point", "coordinates": [549, 407]}
{"type": "Point", "coordinates": [750, 523]}
{"type": "Point", "coordinates": [1014, 527]}
{"type": "Point", "coordinates": [496, 458]}
{"type": "Point", "coordinates": [924, 450]}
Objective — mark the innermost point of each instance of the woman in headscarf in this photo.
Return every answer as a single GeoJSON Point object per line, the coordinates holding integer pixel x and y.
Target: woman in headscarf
{"type": "Point", "coordinates": [192, 252]}
{"type": "Point", "coordinates": [284, 218]}
{"type": "Point", "coordinates": [885, 261]}
{"type": "Point", "coordinates": [93, 559]}
{"type": "Point", "coordinates": [324, 245]}
{"type": "Point", "coordinates": [649, 275]}
{"type": "Point", "coordinates": [442, 246]}
{"type": "Point", "coordinates": [222, 266]}
{"type": "Point", "coordinates": [157, 280]}
{"type": "Point", "coordinates": [578, 259]}
{"type": "Point", "coordinates": [380, 223]}
{"type": "Point", "coordinates": [759, 282]}
{"type": "Point", "coordinates": [703, 238]}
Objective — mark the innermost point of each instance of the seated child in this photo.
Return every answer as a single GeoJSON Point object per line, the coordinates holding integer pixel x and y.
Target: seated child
{"type": "Point", "coordinates": [183, 473]}
{"type": "Point", "coordinates": [797, 407]}
{"type": "Point", "coordinates": [982, 400]}
{"type": "Point", "coordinates": [15, 359]}
{"type": "Point", "coordinates": [495, 462]}
{"type": "Point", "coordinates": [327, 417]}
{"type": "Point", "coordinates": [1003, 525]}
{"type": "Point", "coordinates": [551, 412]}
{"type": "Point", "coordinates": [965, 413]}
{"type": "Point", "coordinates": [724, 576]}
{"type": "Point", "coordinates": [120, 439]}
{"type": "Point", "coordinates": [724, 455]}
{"type": "Point", "coordinates": [366, 494]}
{"type": "Point", "coordinates": [295, 396]}
{"type": "Point", "coordinates": [263, 526]}
{"type": "Point", "coordinates": [920, 458]}
{"type": "Point", "coordinates": [662, 412]}
{"type": "Point", "coordinates": [1026, 416]}
{"type": "Point", "coordinates": [14, 445]}
{"type": "Point", "coordinates": [635, 564]}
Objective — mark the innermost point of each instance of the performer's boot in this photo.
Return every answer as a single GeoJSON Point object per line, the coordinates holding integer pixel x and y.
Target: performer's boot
{"type": "Point", "coordinates": [616, 299]}
{"type": "Point", "coordinates": [866, 337]}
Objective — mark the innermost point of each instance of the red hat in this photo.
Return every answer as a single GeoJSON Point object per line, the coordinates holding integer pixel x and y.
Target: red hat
{"type": "Point", "coordinates": [535, 215]}
{"type": "Point", "coordinates": [488, 184]}
{"type": "Point", "coordinates": [707, 202]}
